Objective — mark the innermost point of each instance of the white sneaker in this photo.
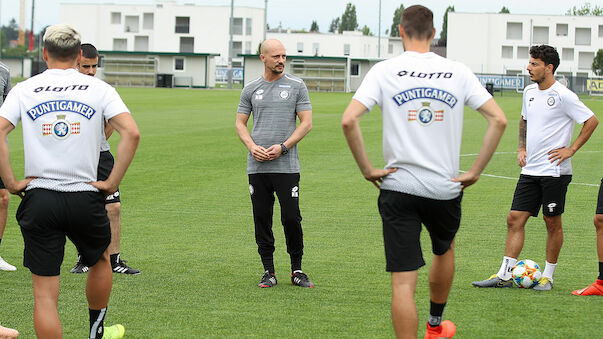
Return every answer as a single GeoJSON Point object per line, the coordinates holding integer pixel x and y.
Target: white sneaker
{"type": "Point", "coordinates": [4, 266]}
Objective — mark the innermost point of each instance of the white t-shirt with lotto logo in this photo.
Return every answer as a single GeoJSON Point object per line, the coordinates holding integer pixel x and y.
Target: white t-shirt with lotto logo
{"type": "Point", "coordinates": [422, 97]}
{"type": "Point", "coordinates": [62, 112]}
{"type": "Point", "coordinates": [551, 115]}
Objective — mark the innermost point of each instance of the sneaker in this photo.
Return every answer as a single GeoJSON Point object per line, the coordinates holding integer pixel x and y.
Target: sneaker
{"type": "Point", "coordinates": [119, 266]}
{"type": "Point", "coordinates": [268, 280]}
{"type": "Point", "coordinates": [4, 266]}
{"type": "Point", "coordinates": [79, 267]}
{"type": "Point", "coordinates": [595, 288]}
{"type": "Point", "coordinates": [114, 332]}
{"type": "Point", "coordinates": [6, 332]}
{"type": "Point", "coordinates": [544, 284]}
{"type": "Point", "coordinates": [300, 278]}
{"type": "Point", "coordinates": [447, 329]}
{"type": "Point", "coordinates": [493, 281]}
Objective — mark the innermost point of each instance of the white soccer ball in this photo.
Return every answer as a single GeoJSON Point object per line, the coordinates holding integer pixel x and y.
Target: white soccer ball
{"type": "Point", "coordinates": [526, 274]}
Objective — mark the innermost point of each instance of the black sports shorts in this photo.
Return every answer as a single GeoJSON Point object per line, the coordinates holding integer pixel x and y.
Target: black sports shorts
{"type": "Point", "coordinates": [105, 165]}
{"type": "Point", "coordinates": [2, 185]}
{"type": "Point", "coordinates": [46, 217]}
{"type": "Point", "coordinates": [600, 200]}
{"type": "Point", "coordinates": [549, 192]}
{"type": "Point", "coordinates": [402, 215]}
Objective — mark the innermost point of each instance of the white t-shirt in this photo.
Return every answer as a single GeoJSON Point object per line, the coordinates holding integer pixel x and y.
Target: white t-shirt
{"type": "Point", "coordinates": [62, 112]}
{"type": "Point", "coordinates": [422, 96]}
{"type": "Point", "coordinates": [551, 115]}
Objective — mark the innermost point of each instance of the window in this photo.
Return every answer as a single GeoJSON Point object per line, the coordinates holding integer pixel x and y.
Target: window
{"type": "Point", "coordinates": [514, 30]}
{"type": "Point", "coordinates": [247, 47]}
{"type": "Point", "coordinates": [300, 47]}
{"type": "Point", "coordinates": [141, 43]}
{"type": "Point", "coordinates": [355, 69]}
{"type": "Point", "coordinates": [147, 20]}
{"type": "Point", "coordinates": [237, 26]}
{"type": "Point", "coordinates": [567, 54]}
{"type": "Point", "coordinates": [237, 48]}
{"type": "Point", "coordinates": [600, 31]}
{"type": "Point", "coordinates": [507, 52]}
{"type": "Point", "coordinates": [585, 60]}
{"type": "Point", "coordinates": [523, 53]}
{"type": "Point", "coordinates": [182, 24]}
{"type": "Point", "coordinates": [120, 44]}
{"type": "Point", "coordinates": [561, 29]}
{"type": "Point", "coordinates": [247, 26]}
{"type": "Point", "coordinates": [315, 48]}
{"type": "Point", "coordinates": [131, 24]}
{"type": "Point", "coordinates": [116, 18]}
{"type": "Point", "coordinates": [187, 44]}
{"type": "Point", "coordinates": [390, 48]}
{"type": "Point", "coordinates": [346, 49]}
{"type": "Point", "coordinates": [178, 64]}
{"type": "Point", "coordinates": [583, 36]}
{"type": "Point", "coordinates": [541, 35]}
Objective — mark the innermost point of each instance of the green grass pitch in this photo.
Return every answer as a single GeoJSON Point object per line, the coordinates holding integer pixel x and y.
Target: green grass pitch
{"type": "Point", "coordinates": [187, 225]}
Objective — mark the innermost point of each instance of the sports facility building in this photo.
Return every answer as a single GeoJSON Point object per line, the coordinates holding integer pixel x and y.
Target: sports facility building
{"type": "Point", "coordinates": [500, 43]}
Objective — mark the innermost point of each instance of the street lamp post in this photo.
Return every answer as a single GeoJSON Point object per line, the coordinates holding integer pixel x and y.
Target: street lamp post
{"type": "Point", "coordinates": [230, 45]}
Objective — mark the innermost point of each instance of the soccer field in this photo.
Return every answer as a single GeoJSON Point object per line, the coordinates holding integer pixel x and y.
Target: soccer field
{"type": "Point", "coordinates": [187, 225]}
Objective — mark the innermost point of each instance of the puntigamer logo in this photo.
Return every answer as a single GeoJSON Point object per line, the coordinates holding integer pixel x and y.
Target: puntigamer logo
{"type": "Point", "coordinates": [61, 106]}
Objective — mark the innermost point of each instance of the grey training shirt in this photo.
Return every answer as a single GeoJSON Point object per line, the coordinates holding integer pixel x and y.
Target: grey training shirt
{"type": "Point", "coordinates": [274, 106]}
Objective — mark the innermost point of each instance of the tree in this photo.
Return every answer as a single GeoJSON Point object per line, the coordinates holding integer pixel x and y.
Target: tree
{"type": "Point", "coordinates": [314, 26]}
{"type": "Point", "coordinates": [504, 10]}
{"type": "Point", "coordinates": [397, 14]}
{"type": "Point", "coordinates": [348, 19]}
{"type": "Point", "coordinates": [334, 27]}
{"type": "Point", "coordinates": [586, 9]}
{"type": "Point", "coordinates": [444, 32]}
{"type": "Point", "coordinates": [598, 63]}
{"type": "Point", "coordinates": [366, 30]}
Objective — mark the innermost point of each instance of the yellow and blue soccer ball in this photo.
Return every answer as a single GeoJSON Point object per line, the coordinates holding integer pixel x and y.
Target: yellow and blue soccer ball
{"type": "Point", "coordinates": [526, 274]}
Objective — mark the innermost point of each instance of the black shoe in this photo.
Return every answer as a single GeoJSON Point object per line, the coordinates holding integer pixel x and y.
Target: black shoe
{"type": "Point", "coordinates": [119, 266]}
{"type": "Point", "coordinates": [268, 280]}
{"type": "Point", "coordinates": [300, 278]}
{"type": "Point", "coordinates": [79, 267]}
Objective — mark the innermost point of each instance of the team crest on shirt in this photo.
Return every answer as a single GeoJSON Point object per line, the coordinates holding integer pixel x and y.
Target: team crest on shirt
{"type": "Point", "coordinates": [550, 101]}
{"type": "Point", "coordinates": [284, 94]}
{"type": "Point", "coordinates": [426, 114]}
{"type": "Point", "coordinates": [61, 128]}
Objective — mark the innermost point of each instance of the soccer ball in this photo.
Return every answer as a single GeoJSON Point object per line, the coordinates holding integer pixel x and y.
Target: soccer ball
{"type": "Point", "coordinates": [526, 274]}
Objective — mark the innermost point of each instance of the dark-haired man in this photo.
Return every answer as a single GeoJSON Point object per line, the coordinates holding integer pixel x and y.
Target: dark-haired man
{"type": "Point", "coordinates": [88, 65]}
{"type": "Point", "coordinates": [61, 112]}
{"type": "Point", "coordinates": [422, 97]}
{"type": "Point", "coordinates": [548, 115]}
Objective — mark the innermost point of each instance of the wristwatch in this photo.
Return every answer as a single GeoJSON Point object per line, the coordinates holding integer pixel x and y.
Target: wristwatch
{"type": "Point", "coordinates": [284, 149]}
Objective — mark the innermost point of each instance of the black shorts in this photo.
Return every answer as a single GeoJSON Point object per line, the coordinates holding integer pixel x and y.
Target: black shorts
{"type": "Point", "coordinates": [2, 185]}
{"type": "Point", "coordinates": [105, 165]}
{"type": "Point", "coordinates": [402, 215]}
{"type": "Point", "coordinates": [46, 217]}
{"type": "Point", "coordinates": [532, 192]}
{"type": "Point", "coordinates": [600, 200]}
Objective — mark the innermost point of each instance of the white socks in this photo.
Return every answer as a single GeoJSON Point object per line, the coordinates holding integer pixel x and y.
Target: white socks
{"type": "Point", "coordinates": [549, 270]}
{"type": "Point", "coordinates": [506, 267]}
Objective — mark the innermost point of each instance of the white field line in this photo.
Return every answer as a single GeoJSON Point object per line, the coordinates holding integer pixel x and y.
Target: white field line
{"type": "Point", "coordinates": [515, 178]}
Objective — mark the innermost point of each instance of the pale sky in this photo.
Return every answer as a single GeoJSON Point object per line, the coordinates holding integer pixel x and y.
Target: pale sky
{"type": "Point", "coordinates": [298, 14]}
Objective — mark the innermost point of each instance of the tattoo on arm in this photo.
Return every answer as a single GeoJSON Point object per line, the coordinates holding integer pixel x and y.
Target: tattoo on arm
{"type": "Point", "coordinates": [522, 133]}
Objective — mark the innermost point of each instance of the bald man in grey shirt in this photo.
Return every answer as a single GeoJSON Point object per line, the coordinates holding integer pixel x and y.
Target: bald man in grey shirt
{"type": "Point", "coordinates": [276, 100]}
{"type": "Point", "coordinates": [4, 196]}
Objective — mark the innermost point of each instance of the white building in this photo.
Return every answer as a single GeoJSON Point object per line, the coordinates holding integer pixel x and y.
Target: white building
{"type": "Point", "coordinates": [167, 27]}
{"type": "Point", "coordinates": [347, 44]}
{"type": "Point", "coordinates": [500, 43]}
